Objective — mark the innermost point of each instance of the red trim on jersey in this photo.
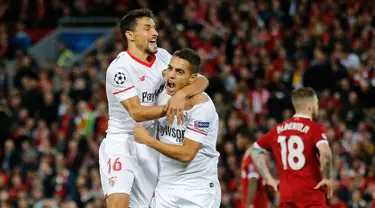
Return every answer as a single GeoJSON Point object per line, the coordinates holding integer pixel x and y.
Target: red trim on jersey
{"type": "Point", "coordinates": [200, 132]}
{"type": "Point", "coordinates": [106, 196]}
{"type": "Point", "coordinates": [148, 64]}
{"type": "Point", "coordinates": [115, 93]}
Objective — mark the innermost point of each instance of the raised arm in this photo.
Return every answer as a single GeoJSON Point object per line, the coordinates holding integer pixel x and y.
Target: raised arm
{"type": "Point", "coordinates": [195, 88]}
{"type": "Point", "coordinates": [122, 88]}
{"type": "Point", "coordinates": [142, 113]}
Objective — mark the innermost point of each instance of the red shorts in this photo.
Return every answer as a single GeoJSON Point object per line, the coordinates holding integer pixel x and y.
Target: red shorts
{"type": "Point", "coordinates": [303, 205]}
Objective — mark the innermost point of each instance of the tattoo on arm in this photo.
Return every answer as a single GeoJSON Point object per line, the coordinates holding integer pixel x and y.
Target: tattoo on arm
{"type": "Point", "coordinates": [259, 161]}
{"type": "Point", "coordinates": [326, 164]}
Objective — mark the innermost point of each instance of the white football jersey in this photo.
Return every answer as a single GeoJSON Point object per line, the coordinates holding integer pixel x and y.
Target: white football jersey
{"type": "Point", "coordinates": [201, 125]}
{"type": "Point", "coordinates": [127, 76]}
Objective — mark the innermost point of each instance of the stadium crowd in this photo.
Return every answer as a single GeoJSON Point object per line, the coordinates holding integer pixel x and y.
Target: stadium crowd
{"type": "Point", "coordinates": [254, 52]}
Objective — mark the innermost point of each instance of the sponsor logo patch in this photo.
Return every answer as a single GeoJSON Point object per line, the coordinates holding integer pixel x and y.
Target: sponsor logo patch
{"type": "Point", "coordinates": [201, 124]}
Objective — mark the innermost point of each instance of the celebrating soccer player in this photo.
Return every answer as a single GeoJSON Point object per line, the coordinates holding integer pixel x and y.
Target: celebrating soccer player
{"type": "Point", "coordinates": [188, 163]}
{"type": "Point", "coordinates": [133, 81]}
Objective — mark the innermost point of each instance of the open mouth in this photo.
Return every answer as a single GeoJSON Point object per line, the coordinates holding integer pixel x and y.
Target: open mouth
{"type": "Point", "coordinates": [170, 86]}
{"type": "Point", "coordinates": [152, 42]}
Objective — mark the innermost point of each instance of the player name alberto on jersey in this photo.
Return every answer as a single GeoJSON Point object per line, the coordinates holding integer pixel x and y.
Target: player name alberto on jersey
{"type": "Point", "coordinates": [293, 126]}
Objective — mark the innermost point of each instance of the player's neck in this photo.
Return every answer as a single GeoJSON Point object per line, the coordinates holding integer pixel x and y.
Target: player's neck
{"type": "Point", "coordinates": [139, 54]}
{"type": "Point", "coordinates": [248, 146]}
{"type": "Point", "coordinates": [303, 114]}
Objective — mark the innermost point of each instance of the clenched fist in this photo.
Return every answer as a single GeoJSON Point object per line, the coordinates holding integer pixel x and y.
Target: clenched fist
{"type": "Point", "coordinates": [141, 134]}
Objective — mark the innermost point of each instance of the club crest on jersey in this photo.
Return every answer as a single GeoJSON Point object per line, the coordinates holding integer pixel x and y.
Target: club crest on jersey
{"type": "Point", "coordinates": [201, 124]}
{"type": "Point", "coordinates": [120, 78]}
{"type": "Point", "coordinates": [112, 180]}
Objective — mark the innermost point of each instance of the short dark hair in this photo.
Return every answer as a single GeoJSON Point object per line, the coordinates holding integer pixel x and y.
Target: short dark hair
{"type": "Point", "coordinates": [190, 56]}
{"type": "Point", "coordinates": [129, 21]}
{"type": "Point", "coordinates": [246, 133]}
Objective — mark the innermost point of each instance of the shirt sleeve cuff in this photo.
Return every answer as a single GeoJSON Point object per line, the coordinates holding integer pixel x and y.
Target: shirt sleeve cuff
{"type": "Point", "coordinates": [321, 142]}
{"type": "Point", "coordinates": [256, 146]}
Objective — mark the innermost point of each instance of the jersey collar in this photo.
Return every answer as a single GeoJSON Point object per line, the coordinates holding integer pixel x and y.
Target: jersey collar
{"type": "Point", "coordinates": [147, 64]}
{"type": "Point", "coordinates": [302, 116]}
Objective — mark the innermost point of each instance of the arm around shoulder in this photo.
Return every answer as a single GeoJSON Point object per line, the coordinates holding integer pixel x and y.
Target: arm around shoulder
{"type": "Point", "coordinates": [197, 87]}
{"type": "Point", "coordinates": [142, 113]}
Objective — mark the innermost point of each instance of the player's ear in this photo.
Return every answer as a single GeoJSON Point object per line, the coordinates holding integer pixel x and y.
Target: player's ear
{"type": "Point", "coordinates": [129, 35]}
{"type": "Point", "coordinates": [193, 77]}
{"type": "Point", "coordinates": [309, 107]}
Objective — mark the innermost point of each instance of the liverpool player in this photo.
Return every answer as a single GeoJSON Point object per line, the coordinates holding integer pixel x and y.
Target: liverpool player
{"type": "Point", "coordinates": [253, 193]}
{"type": "Point", "coordinates": [303, 157]}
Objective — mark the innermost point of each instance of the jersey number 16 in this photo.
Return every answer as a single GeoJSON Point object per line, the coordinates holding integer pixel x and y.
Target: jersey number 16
{"type": "Point", "coordinates": [294, 147]}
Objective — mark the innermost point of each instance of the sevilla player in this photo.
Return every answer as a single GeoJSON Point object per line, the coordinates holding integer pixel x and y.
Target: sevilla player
{"type": "Point", "coordinates": [128, 170]}
{"type": "Point", "coordinates": [253, 193]}
{"type": "Point", "coordinates": [188, 175]}
{"type": "Point", "coordinates": [303, 157]}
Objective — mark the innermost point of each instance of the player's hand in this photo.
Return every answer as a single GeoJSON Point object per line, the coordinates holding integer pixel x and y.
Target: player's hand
{"type": "Point", "coordinates": [175, 107]}
{"type": "Point", "coordinates": [328, 184]}
{"type": "Point", "coordinates": [141, 134]}
{"type": "Point", "coordinates": [197, 99]}
{"type": "Point", "coordinates": [274, 184]}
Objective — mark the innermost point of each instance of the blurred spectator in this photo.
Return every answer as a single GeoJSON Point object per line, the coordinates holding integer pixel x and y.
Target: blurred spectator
{"type": "Point", "coordinates": [65, 56]}
{"type": "Point", "coordinates": [21, 39]}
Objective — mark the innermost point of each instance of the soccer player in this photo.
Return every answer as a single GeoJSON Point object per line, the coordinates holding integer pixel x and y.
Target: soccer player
{"type": "Point", "coordinates": [300, 149]}
{"type": "Point", "coordinates": [253, 192]}
{"type": "Point", "coordinates": [133, 81]}
{"type": "Point", "coordinates": [188, 164]}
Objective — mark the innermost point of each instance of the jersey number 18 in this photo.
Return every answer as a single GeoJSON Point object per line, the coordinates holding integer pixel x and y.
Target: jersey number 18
{"type": "Point", "coordinates": [294, 147]}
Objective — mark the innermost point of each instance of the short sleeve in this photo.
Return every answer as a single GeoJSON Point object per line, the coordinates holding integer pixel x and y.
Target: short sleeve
{"type": "Point", "coordinates": [200, 122]}
{"type": "Point", "coordinates": [120, 84]}
{"type": "Point", "coordinates": [320, 136]}
{"type": "Point", "coordinates": [265, 142]}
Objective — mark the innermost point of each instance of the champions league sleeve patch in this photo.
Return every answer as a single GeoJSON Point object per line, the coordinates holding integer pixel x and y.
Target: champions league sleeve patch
{"type": "Point", "coordinates": [200, 127]}
{"type": "Point", "coordinates": [201, 124]}
{"type": "Point", "coordinates": [120, 78]}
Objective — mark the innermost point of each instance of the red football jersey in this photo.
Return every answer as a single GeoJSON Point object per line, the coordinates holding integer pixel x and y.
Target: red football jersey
{"type": "Point", "coordinates": [248, 171]}
{"type": "Point", "coordinates": [293, 145]}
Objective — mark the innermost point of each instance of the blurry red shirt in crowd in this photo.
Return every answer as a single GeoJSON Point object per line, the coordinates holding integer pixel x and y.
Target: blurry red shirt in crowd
{"type": "Point", "coordinates": [248, 171]}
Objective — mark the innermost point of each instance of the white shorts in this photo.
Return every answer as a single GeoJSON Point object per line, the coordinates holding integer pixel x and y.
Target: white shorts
{"type": "Point", "coordinates": [206, 196]}
{"type": "Point", "coordinates": [128, 167]}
